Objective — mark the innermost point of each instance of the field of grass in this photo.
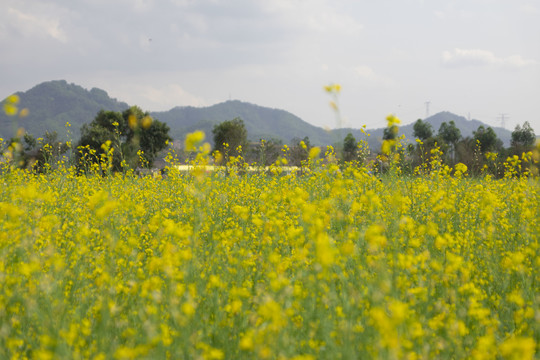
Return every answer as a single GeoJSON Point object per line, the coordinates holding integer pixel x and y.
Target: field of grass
{"type": "Point", "coordinates": [333, 264]}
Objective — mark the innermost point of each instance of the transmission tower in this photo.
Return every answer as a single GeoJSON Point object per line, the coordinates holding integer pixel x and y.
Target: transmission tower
{"type": "Point", "coordinates": [427, 108]}
{"type": "Point", "coordinates": [503, 117]}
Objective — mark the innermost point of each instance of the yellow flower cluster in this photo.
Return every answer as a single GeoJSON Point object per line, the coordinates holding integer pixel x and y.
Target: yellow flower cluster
{"type": "Point", "coordinates": [335, 264]}
{"type": "Point", "coordinates": [10, 106]}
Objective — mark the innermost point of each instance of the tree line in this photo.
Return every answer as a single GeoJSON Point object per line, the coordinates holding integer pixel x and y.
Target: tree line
{"type": "Point", "coordinates": [120, 140]}
{"type": "Point", "coordinates": [132, 139]}
{"type": "Point", "coordinates": [480, 152]}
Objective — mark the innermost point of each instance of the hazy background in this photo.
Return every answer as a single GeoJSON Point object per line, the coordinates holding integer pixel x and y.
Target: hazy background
{"type": "Point", "coordinates": [477, 58]}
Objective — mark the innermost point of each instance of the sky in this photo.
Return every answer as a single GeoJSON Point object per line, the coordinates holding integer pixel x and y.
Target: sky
{"type": "Point", "coordinates": [475, 58]}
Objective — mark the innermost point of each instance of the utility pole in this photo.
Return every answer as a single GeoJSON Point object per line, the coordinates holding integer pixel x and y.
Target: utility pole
{"type": "Point", "coordinates": [427, 108]}
{"type": "Point", "coordinates": [503, 117]}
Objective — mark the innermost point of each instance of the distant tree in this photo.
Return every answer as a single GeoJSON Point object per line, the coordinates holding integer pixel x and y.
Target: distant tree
{"type": "Point", "coordinates": [487, 139]}
{"type": "Point", "coordinates": [523, 140]}
{"type": "Point", "coordinates": [128, 132]}
{"type": "Point", "coordinates": [39, 155]}
{"type": "Point", "coordinates": [267, 152]}
{"type": "Point", "coordinates": [51, 148]}
{"type": "Point", "coordinates": [229, 135]}
{"type": "Point", "coordinates": [30, 142]}
{"type": "Point", "coordinates": [152, 140]}
{"type": "Point", "coordinates": [466, 153]}
{"type": "Point", "coordinates": [350, 147]}
{"type": "Point", "coordinates": [390, 133]}
{"type": "Point", "coordinates": [450, 134]}
{"type": "Point", "coordinates": [299, 150]}
{"type": "Point", "coordinates": [523, 137]}
{"type": "Point", "coordinates": [21, 150]}
{"type": "Point", "coordinates": [422, 130]}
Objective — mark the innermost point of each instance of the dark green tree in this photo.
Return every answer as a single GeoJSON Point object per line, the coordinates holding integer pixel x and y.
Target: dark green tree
{"type": "Point", "coordinates": [152, 140]}
{"type": "Point", "coordinates": [128, 132]}
{"type": "Point", "coordinates": [267, 152]}
{"type": "Point", "coordinates": [523, 137]}
{"type": "Point", "coordinates": [487, 139]}
{"type": "Point", "coordinates": [350, 147]}
{"type": "Point", "coordinates": [450, 134]}
{"type": "Point", "coordinates": [229, 135]}
{"type": "Point", "coordinates": [299, 151]}
{"type": "Point", "coordinates": [30, 141]}
{"type": "Point", "coordinates": [51, 148]}
{"type": "Point", "coordinates": [21, 149]}
{"type": "Point", "coordinates": [39, 155]}
{"type": "Point", "coordinates": [390, 133]}
{"type": "Point", "coordinates": [422, 130]}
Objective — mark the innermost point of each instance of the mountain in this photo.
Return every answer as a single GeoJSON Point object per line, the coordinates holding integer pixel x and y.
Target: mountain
{"type": "Point", "coordinates": [51, 104]}
{"type": "Point", "coordinates": [467, 128]}
{"type": "Point", "coordinates": [261, 122]}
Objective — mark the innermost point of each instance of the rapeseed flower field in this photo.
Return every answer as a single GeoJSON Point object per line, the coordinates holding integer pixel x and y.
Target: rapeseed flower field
{"type": "Point", "coordinates": [333, 264]}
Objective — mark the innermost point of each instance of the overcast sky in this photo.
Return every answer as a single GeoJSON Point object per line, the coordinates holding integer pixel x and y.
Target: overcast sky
{"type": "Point", "coordinates": [477, 58]}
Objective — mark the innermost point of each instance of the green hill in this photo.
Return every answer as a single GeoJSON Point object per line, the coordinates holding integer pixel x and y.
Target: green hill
{"type": "Point", "coordinates": [467, 128]}
{"type": "Point", "coordinates": [53, 103]}
{"type": "Point", "coordinates": [261, 122]}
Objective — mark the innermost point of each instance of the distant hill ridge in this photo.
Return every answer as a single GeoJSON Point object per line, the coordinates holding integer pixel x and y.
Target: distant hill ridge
{"type": "Point", "coordinates": [467, 127]}
{"type": "Point", "coordinates": [261, 122]}
{"type": "Point", "coordinates": [51, 104]}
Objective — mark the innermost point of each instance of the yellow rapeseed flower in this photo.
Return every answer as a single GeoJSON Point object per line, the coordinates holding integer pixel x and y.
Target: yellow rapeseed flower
{"type": "Point", "coordinates": [193, 139]}
{"type": "Point", "coordinates": [146, 122]}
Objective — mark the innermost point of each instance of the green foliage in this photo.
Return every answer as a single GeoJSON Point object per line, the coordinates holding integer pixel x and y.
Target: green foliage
{"type": "Point", "coordinates": [267, 152]}
{"type": "Point", "coordinates": [126, 133]}
{"type": "Point", "coordinates": [39, 155]}
{"type": "Point", "coordinates": [49, 148]}
{"type": "Point", "coordinates": [299, 151]}
{"type": "Point", "coordinates": [350, 147]}
{"type": "Point", "coordinates": [450, 134]}
{"type": "Point", "coordinates": [422, 130]}
{"type": "Point", "coordinates": [390, 132]}
{"type": "Point", "coordinates": [229, 135]}
{"type": "Point", "coordinates": [487, 139]}
{"type": "Point", "coordinates": [523, 136]}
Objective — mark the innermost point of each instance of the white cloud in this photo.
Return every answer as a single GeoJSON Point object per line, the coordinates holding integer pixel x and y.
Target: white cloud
{"type": "Point", "coordinates": [366, 73]}
{"type": "Point", "coordinates": [277, 20]}
{"type": "Point", "coordinates": [478, 57]}
{"type": "Point", "coordinates": [529, 9]}
{"type": "Point", "coordinates": [320, 16]}
{"type": "Point", "coordinates": [279, 52]}
{"type": "Point", "coordinates": [163, 97]}
{"type": "Point", "coordinates": [174, 94]}
{"type": "Point", "coordinates": [440, 14]}
{"type": "Point", "coordinates": [36, 24]}
{"type": "Point", "coordinates": [142, 6]}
